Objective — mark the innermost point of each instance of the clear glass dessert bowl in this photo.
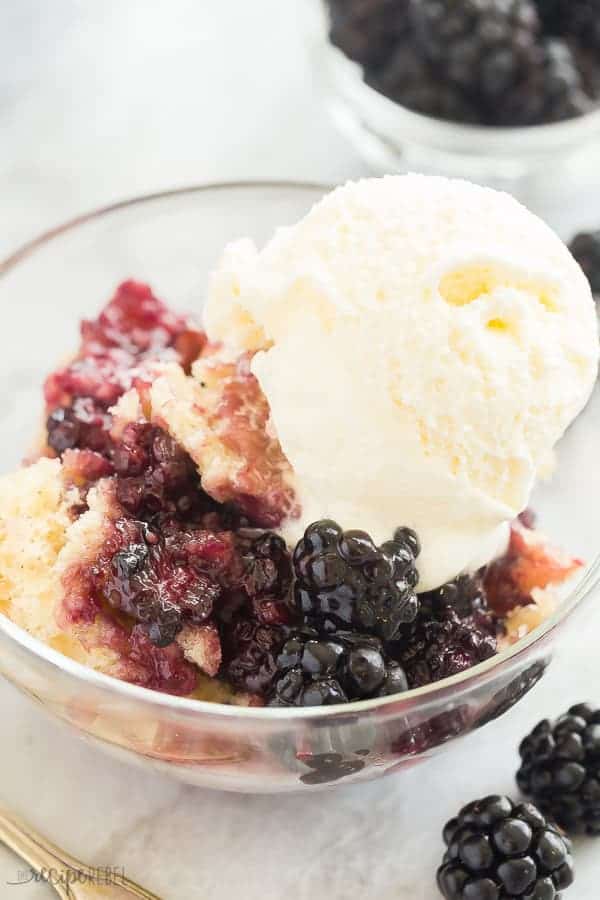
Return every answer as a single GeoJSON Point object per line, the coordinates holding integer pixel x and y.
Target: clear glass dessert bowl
{"type": "Point", "coordinates": [172, 240]}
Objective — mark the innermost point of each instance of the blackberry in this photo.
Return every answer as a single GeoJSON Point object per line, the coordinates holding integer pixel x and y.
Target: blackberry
{"type": "Point", "coordinates": [551, 91]}
{"type": "Point", "coordinates": [368, 30]}
{"type": "Point", "coordinates": [83, 424]}
{"type": "Point", "coordinates": [166, 580]}
{"type": "Point", "coordinates": [581, 19]}
{"type": "Point", "coordinates": [483, 46]}
{"type": "Point", "coordinates": [250, 650]}
{"type": "Point", "coordinates": [499, 850]}
{"type": "Point", "coordinates": [560, 769]}
{"type": "Point", "coordinates": [318, 671]}
{"type": "Point", "coordinates": [343, 581]}
{"type": "Point", "coordinates": [156, 477]}
{"type": "Point", "coordinates": [409, 79]}
{"type": "Point", "coordinates": [254, 614]}
{"type": "Point", "coordinates": [267, 568]}
{"type": "Point", "coordinates": [453, 632]}
{"type": "Point", "coordinates": [585, 247]}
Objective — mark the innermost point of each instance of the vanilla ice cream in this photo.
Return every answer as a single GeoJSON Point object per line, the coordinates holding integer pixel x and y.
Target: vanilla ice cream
{"type": "Point", "coordinates": [423, 344]}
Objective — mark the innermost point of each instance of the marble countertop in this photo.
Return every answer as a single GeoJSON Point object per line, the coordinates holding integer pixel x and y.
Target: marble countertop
{"type": "Point", "coordinates": [104, 100]}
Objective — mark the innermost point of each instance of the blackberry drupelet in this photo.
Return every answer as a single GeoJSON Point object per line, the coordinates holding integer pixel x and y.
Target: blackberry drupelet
{"type": "Point", "coordinates": [343, 581]}
{"type": "Point", "coordinates": [585, 247]}
{"type": "Point", "coordinates": [368, 30]}
{"type": "Point", "coordinates": [499, 850]}
{"type": "Point", "coordinates": [318, 671]}
{"type": "Point", "coordinates": [453, 631]}
{"type": "Point", "coordinates": [483, 46]}
{"type": "Point", "coordinates": [560, 769]}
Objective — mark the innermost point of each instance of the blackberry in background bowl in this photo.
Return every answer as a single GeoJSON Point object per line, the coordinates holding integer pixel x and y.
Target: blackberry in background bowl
{"type": "Point", "coordinates": [506, 92]}
{"type": "Point", "coordinates": [585, 247]}
{"type": "Point", "coordinates": [485, 62]}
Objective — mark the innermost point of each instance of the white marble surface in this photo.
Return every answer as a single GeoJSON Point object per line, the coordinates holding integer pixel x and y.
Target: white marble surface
{"type": "Point", "coordinates": [102, 100]}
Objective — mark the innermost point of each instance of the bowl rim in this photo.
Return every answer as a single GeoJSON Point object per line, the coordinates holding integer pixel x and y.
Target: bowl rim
{"type": "Point", "coordinates": [24, 250]}
{"type": "Point", "coordinates": [430, 693]}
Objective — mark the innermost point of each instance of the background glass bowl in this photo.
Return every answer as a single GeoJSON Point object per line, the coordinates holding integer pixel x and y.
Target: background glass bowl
{"type": "Point", "coordinates": [543, 165]}
{"type": "Point", "coordinates": [173, 240]}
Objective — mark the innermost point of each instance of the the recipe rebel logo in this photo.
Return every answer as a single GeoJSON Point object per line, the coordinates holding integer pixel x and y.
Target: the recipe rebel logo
{"type": "Point", "coordinates": [99, 876]}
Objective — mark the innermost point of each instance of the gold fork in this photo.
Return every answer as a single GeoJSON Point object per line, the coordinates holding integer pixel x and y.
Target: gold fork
{"type": "Point", "coordinates": [71, 879]}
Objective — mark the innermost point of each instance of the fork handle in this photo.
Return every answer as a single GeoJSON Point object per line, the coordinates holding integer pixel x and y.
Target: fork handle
{"type": "Point", "coordinates": [42, 856]}
{"type": "Point", "coordinates": [35, 850]}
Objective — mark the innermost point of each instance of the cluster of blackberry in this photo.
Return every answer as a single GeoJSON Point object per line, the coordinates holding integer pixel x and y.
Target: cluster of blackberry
{"type": "Point", "coordinates": [492, 62]}
{"type": "Point", "coordinates": [498, 849]}
{"type": "Point", "coordinates": [317, 671]}
{"type": "Point", "coordinates": [560, 769]}
{"type": "Point", "coordinates": [351, 600]}
{"type": "Point", "coordinates": [355, 628]}
{"type": "Point", "coordinates": [453, 632]}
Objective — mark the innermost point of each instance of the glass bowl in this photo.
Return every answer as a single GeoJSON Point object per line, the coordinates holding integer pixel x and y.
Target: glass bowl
{"type": "Point", "coordinates": [543, 165]}
{"type": "Point", "coordinates": [172, 240]}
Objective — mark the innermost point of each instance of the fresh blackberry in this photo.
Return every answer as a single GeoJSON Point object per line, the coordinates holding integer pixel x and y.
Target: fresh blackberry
{"type": "Point", "coordinates": [368, 30]}
{"type": "Point", "coordinates": [453, 632]}
{"type": "Point", "coordinates": [319, 671]}
{"type": "Point", "coordinates": [499, 850]}
{"type": "Point", "coordinates": [551, 91]}
{"type": "Point", "coordinates": [560, 769]}
{"type": "Point", "coordinates": [343, 581]}
{"type": "Point", "coordinates": [483, 46]}
{"type": "Point", "coordinates": [585, 247]}
{"type": "Point", "coordinates": [409, 79]}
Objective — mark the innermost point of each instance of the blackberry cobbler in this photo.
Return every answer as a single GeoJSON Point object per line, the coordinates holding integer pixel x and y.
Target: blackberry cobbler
{"type": "Point", "coordinates": [132, 566]}
{"type": "Point", "coordinates": [163, 533]}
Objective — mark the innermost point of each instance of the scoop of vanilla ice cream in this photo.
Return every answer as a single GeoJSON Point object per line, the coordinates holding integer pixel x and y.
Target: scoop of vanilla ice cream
{"type": "Point", "coordinates": [423, 343]}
